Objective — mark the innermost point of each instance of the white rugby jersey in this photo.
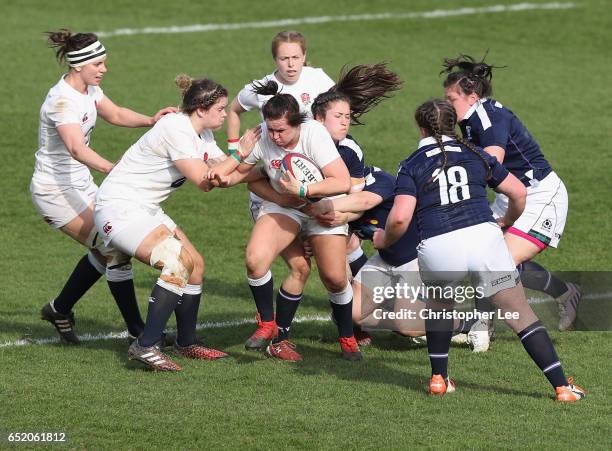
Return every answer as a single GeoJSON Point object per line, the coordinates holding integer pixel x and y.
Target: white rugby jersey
{"type": "Point", "coordinates": [64, 105]}
{"type": "Point", "coordinates": [312, 82]}
{"type": "Point", "coordinates": [146, 173]}
{"type": "Point", "coordinates": [315, 142]}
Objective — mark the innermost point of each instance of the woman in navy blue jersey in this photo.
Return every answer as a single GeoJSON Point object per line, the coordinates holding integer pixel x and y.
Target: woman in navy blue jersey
{"type": "Point", "coordinates": [444, 181]}
{"type": "Point", "coordinates": [492, 126]}
{"type": "Point", "coordinates": [365, 211]}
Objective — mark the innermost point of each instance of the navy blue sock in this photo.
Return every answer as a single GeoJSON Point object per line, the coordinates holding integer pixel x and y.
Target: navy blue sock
{"type": "Point", "coordinates": [125, 297]}
{"type": "Point", "coordinates": [439, 333]}
{"type": "Point", "coordinates": [162, 303]}
{"type": "Point", "coordinates": [187, 318]}
{"type": "Point", "coordinates": [535, 277]}
{"type": "Point", "coordinates": [263, 293]}
{"type": "Point", "coordinates": [537, 343]}
{"type": "Point", "coordinates": [286, 306]}
{"type": "Point", "coordinates": [343, 315]}
{"type": "Point", "coordinates": [358, 264]}
{"type": "Point", "coordinates": [83, 276]}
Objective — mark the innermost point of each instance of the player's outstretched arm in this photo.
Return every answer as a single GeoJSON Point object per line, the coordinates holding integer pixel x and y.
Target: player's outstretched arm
{"type": "Point", "coordinates": [124, 117]}
{"type": "Point", "coordinates": [244, 173]}
{"type": "Point", "coordinates": [337, 181]}
{"type": "Point", "coordinates": [73, 138]}
{"type": "Point", "coordinates": [337, 218]}
{"type": "Point", "coordinates": [196, 171]}
{"type": "Point", "coordinates": [398, 221]}
{"type": "Point", "coordinates": [352, 203]}
{"type": "Point", "coordinates": [264, 189]}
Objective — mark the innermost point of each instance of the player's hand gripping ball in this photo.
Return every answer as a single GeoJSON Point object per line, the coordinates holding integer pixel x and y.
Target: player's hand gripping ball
{"type": "Point", "coordinates": [302, 168]}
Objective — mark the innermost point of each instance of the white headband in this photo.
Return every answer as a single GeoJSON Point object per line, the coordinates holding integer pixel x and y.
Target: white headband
{"type": "Point", "coordinates": [86, 55]}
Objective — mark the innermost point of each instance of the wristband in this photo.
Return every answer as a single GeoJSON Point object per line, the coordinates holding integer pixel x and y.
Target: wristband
{"type": "Point", "coordinates": [237, 155]}
{"type": "Point", "coordinates": [232, 144]}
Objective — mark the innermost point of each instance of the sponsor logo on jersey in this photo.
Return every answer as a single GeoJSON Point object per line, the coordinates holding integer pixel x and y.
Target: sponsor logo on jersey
{"type": "Point", "coordinates": [305, 98]}
{"type": "Point", "coordinates": [547, 224]}
{"type": "Point", "coordinates": [468, 131]}
{"type": "Point", "coordinates": [178, 182]}
{"type": "Point", "coordinates": [84, 118]}
{"type": "Point", "coordinates": [275, 164]}
{"type": "Point", "coordinates": [106, 228]}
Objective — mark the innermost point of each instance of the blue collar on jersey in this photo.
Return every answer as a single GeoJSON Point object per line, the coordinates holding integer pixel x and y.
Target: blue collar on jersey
{"type": "Point", "coordinates": [431, 140]}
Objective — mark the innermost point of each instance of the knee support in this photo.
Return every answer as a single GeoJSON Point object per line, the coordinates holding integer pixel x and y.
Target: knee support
{"type": "Point", "coordinates": [121, 271]}
{"type": "Point", "coordinates": [118, 266]}
{"type": "Point", "coordinates": [175, 264]}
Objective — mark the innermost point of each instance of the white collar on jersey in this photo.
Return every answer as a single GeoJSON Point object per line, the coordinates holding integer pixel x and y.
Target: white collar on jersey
{"type": "Point", "coordinates": [431, 140]}
{"type": "Point", "coordinates": [473, 108]}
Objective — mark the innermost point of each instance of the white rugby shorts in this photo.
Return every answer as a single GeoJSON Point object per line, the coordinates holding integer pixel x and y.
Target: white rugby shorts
{"type": "Point", "coordinates": [124, 225]}
{"type": "Point", "coordinates": [478, 252]}
{"type": "Point", "coordinates": [308, 226]}
{"type": "Point", "coordinates": [58, 205]}
{"type": "Point", "coordinates": [378, 272]}
{"type": "Point", "coordinates": [543, 219]}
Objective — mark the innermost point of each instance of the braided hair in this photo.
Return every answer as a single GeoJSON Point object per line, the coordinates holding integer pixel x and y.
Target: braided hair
{"type": "Point", "coordinates": [202, 93]}
{"type": "Point", "coordinates": [438, 117]}
{"type": "Point", "coordinates": [363, 87]}
{"type": "Point", "coordinates": [471, 76]}
{"type": "Point", "coordinates": [279, 105]}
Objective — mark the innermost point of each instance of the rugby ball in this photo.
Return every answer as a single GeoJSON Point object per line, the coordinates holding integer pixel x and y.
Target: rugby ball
{"type": "Point", "coordinates": [302, 168]}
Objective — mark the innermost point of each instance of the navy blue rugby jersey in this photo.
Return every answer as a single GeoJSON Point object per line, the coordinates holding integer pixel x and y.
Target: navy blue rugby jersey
{"type": "Point", "coordinates": [455, 198]}
{"type": "Point", "coordinates": [383, 184]}
{"type": "Point", "coordinates": [489, 123]}
{"type": "Point", "coordinates": [352, 155]}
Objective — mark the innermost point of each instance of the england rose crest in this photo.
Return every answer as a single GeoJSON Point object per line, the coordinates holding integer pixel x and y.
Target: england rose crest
{"type": "Point", "coordinates": [305, 98]}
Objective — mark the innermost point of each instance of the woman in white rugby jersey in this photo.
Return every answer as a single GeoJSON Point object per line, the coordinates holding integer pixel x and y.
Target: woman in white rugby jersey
{"type": "Point", "coordinates": [128, 215]}
{"type": "Point", "coordinates": [62, 186]}
{"type": "Point", "coordinates": [304, 83]}
{"type": "Point", "coordinates": [277, 227]}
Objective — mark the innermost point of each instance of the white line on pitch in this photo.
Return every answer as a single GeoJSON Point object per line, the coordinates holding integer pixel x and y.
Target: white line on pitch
{"type": "Point", "coordinates": [434, 14]}
{"type": "Point", "coordinates": [236, 323]}
{"type": "Point", "coordinates": [123, 335]}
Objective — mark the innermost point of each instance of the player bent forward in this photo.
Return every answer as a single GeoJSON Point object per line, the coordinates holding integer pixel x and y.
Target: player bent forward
{"type": "Point", "coordinates": [277, 227]}
{"type": "Point", "coordinates": [128, 214]}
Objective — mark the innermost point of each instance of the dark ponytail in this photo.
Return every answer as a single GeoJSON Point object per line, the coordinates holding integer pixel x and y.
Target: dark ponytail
{"type": "Point", "coordinates": [64, 41]}
{"type": "Point", "coordinates": [279, 105]}
{"type": "Point", "coordinates": [363, 86]}
{"type": "Point", "coordinates": [470, 77]}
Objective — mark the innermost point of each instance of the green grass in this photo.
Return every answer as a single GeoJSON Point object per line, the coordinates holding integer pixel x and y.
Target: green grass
{"type": "Point", "coordinates": [557, 82]}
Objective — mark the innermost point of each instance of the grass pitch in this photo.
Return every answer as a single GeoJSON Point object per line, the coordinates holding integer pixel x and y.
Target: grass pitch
{"type": "Point", "coordinates": [556, 81]}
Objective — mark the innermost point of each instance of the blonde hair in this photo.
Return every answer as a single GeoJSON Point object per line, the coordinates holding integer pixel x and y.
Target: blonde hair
{"type": "Point", "coordinates": [291, 37]}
